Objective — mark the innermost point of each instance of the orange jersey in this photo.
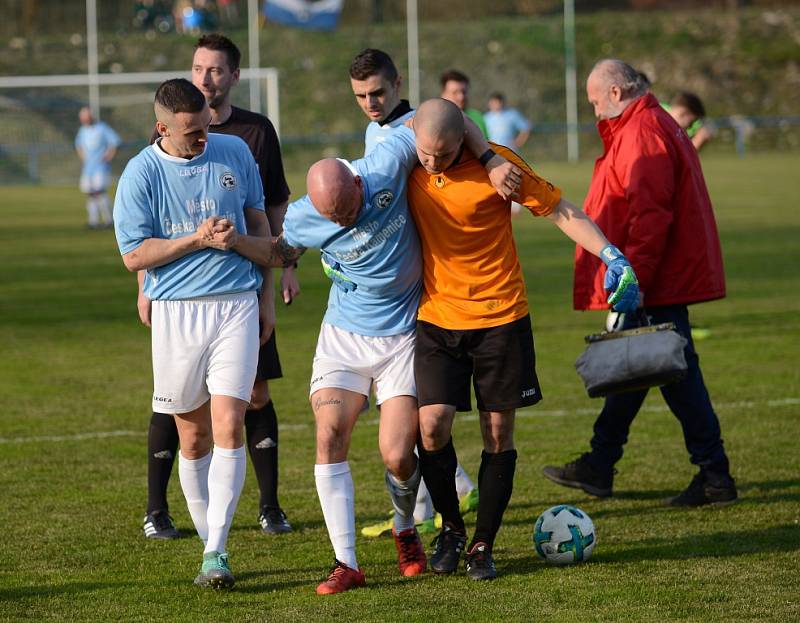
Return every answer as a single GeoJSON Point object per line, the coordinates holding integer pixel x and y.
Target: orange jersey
{"type": "Point", "coordinates": [471, 273]}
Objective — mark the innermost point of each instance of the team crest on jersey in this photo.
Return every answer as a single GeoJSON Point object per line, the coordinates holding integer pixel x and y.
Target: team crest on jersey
{"type": "Point", "coordinates": [227, 180]}
{"type": "Point", "coordinates": [439, 181]}
{"type": "Point", "coordinates": [383, 199]}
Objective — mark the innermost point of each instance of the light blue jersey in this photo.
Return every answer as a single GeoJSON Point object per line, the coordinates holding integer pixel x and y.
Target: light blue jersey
{"type": "Point", "coordinates": [377, 133]}
{"type": "Point", "coordinates": [161, 196]}
{"type": "Point", "coordinates": [504, 125]}
{"type": "Point", "coordinates": [94, 141]}
{"type": "Point", "coordinates": [375, 264]}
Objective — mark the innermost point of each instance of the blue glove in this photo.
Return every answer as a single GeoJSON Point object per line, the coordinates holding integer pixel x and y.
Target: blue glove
{"type": "Point", "coordinates": [620, 280]}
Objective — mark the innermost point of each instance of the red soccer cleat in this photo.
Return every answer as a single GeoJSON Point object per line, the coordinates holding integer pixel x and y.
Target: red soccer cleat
{"type": "Point", "coordinates": [341, 578]}
{"type": "Point", "coordinates": [411, 557]}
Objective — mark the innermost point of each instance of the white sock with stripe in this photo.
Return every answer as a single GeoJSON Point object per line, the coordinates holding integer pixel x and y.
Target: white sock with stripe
{"type": "Point", "coordinates": [404, 498]}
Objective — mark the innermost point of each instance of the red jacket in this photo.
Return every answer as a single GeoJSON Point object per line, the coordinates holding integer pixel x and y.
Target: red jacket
{"type": "Point", "coordinates": [649, 198]}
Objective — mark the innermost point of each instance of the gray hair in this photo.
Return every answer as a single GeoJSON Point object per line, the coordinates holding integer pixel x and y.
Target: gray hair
{"type": "Point", "coordinates": [618, 73]}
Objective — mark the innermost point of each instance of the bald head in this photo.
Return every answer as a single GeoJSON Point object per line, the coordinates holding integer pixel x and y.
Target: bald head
{"type": "Point", "coordinates": [439, 117]}
{"type": "Point", "coordinates": [612, 86]}
{"type": "Point", "coordinates": [335, 191]}
{"type": "Point", "coordinates": [439, 129]}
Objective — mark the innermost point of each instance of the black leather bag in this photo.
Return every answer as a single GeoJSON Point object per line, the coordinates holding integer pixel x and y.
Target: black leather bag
{"type": "Point", "coordinates": [632, 359]}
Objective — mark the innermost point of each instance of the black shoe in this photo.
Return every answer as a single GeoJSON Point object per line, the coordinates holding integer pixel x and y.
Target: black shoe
{"type": "Point", "coordinates": [706, 488]}
{"type": "Point", "coordinates": [448, 547]}
{"type": "Point", "coordinates": [273, 521]}
{"type": "Point", "coordinates": [159, 525]}
{"type": "Point", "coordinates": [479, 564]}
{"type": "Point", "coordinates": [581, 475]}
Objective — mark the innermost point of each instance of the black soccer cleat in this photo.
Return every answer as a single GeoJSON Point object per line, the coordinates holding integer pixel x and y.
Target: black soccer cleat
{"type": "Point", "coordinates": [159, 525]}
{"type": "Point", "coordinates": [273, 521]}
{"type": "Point", "coordinates": [479, 563]}
{"type": "Point", "coordinates": [706, 488]}
{"type": "Point", "coordinates": [580, 474]}
{"type": "Point", "coordinates": [448, 547]}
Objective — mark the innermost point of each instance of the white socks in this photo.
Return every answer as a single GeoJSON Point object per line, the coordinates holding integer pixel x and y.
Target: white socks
{"type": "Point", "coordinates": [225, 482]}
{"type": "Point", "coordinates": [212, 485]}
{"type": "Point", "coordinates": [93, 212]}
{"type": "Point", "coordinates": [424, 507]}
{"type": "Point", "coordinates": [337, 498]}
{"type": "Point", "coordinates": [103, 205]}
{"type": "Point", "coordinates": [404, 498]}
{"type": "Point", "coordinates": [463, 483]}
{"type": "Point", "coordinates": [98, 209]}
{"type": "Point", "coordinates": [194, 482]}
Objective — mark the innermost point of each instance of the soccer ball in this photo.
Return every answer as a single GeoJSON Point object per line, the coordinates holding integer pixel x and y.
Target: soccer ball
{"type": "Point", "coordinates": [564, 535]}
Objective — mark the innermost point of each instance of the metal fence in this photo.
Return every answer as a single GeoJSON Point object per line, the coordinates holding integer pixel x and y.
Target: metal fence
{"type": "Point", "coordinates": [54, 163]}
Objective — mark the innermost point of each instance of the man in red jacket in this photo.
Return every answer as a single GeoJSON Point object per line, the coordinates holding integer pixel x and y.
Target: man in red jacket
{"type": "Point", "coordinates": [649, 197]}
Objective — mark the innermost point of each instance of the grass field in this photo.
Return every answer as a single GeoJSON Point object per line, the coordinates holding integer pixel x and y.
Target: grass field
{"type": "Point", "coordinates": [75, 386]}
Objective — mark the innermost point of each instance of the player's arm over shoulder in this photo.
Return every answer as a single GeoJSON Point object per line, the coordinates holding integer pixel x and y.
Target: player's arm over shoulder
{"type": "Point", "coordinates": [537, 194]}
{"type": "Point", "coordinates": [284, 253]}
{"type": "Point", "coordinates": [400, 144]}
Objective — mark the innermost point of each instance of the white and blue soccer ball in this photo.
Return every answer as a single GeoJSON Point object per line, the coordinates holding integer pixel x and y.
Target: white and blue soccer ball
{"type": "Point", "coordinates": [564, 535]}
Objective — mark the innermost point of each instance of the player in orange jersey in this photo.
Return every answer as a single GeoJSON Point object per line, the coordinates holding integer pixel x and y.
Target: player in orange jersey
{"type": "Point", "coordinates": [473, 322]}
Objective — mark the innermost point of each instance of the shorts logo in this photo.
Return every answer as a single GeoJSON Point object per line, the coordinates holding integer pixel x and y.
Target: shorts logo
{"type": "Point", "coordinates": [162, 399]}
{"type": "Point", "coordinates": [383, 199]}
{"type": "Point", "coordinates": [527, 393]}
{"type": "Point", "coordinates": [227, 180]}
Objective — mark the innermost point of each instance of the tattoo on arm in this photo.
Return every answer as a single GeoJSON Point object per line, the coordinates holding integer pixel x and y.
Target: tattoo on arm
{"type": "Point", "coordinates": [286, 253]}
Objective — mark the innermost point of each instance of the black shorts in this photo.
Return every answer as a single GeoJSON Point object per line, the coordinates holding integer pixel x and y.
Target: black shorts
{"type": "Point", "coordinates": [500, 360]}
{"type": "Point", "coordinates": [269, 365]}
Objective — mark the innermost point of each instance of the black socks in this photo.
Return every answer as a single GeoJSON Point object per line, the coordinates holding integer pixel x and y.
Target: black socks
{"type": "Point", "coordinates": [495, 483]}
{"type": "Point", "coordinates": [439, 471]}
{"type": "Point", "coordinates": [261, 428]}
{"type": "Point", "coordinates": [162, 448]}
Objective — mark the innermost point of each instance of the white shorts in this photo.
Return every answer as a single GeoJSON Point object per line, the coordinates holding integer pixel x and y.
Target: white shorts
{"type": "Point", "coordinates": [354, 362]}
{"type": "Point", "coordinates": [94, 183]}
{"type": "Point", "coordinates": [202, 347]}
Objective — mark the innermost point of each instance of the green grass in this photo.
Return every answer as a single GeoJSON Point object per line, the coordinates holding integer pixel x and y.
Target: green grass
{"type": "Point", "coordinates": [76, 361]}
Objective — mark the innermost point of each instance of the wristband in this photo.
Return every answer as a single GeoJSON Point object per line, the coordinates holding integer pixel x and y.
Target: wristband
{"type": "Point", "coordinates": [610, 253]}
{"type": "Point", "coordinates": [486, 156]}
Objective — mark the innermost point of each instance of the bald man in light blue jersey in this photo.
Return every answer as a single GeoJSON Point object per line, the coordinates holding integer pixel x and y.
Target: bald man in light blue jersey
{"type": "Point", "coordinates": [174, 202]}
{"type": "Point", "coordinates": [374, 262]}
{"type": "Point", "coordinates": [357, 215]}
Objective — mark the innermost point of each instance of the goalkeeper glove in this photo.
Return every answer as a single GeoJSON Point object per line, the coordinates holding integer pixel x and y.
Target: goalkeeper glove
{"type": "Point", "coordinates": [620, 280]}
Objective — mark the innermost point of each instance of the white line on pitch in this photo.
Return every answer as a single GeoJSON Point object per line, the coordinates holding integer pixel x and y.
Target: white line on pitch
{"type": "Point", "coordinates": [525, 413]}
{"type": "Point", "coordinates": [78, 437]}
